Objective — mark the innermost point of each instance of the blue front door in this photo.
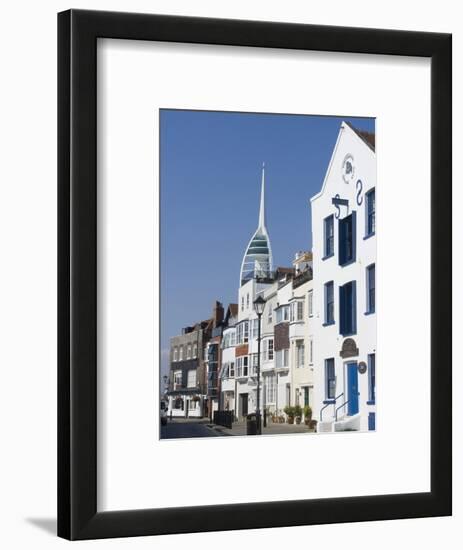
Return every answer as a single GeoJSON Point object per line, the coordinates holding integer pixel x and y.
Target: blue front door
{"type": "Point", "coordinates": [352, 389]}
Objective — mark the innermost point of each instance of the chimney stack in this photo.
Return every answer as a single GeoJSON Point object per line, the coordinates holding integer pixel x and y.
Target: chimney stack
{"type": "Point", "coordinates": [217, 314]}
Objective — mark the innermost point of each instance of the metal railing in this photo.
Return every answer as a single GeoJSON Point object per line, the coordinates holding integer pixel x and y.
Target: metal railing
{"type": "Point", "coordinates": [332, 402]}
{"type": "Point", "coordinates": [340, 407]}
{"type": "Point", "coordinates": [224, 418]}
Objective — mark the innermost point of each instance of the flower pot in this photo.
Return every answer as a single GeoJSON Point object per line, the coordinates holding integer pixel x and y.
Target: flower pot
{"type": "Point", "coordinates": [290, 420]}
{"type": "Point", "coordinates": [298, 419]}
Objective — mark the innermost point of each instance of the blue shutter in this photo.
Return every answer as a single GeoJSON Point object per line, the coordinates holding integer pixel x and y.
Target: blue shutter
{"type": "Point", "coordinates": [354, 306]}
{"type": "Point", "coordinates": [326, 303]}
{"type": "Point", "coordinates": [342, 241]}
{"type": "Point", "coordinates": [354, 235]}
{"type": "Point", "coordinates": [326, 379]}
{"type": "Point", "coordinates": [349, 222]}
{"type": "Point", "coordinates": [342, 310]}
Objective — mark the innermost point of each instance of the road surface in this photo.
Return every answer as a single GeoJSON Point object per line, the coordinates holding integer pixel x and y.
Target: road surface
{"type": "Point", "coordinates": [175, 429]}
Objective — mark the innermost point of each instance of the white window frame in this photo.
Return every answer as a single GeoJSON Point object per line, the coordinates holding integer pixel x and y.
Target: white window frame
{"type": "Point", "coordinates": [284, 355]}
{"type": "Point", "coordinates": [177, 376]}
{"type": "Point", "coordinates": [189, 384]}
{"type": "Point", "coordinates": [310, 302]}
{"type": "Point", "coordinates": [270, 386]}
{"type": "Point", "coordinates": [255, 328]}
{"type": "Point", "coordinates": [300, 357]}
{"type": "Point", "coordinates": [239, 367]}
{"type": "Point", "coordinates": [299, 310]}
{"type": "Point", "coordinates": [283, 314]}
{"type": "Point", "coordinates": [268, 349]}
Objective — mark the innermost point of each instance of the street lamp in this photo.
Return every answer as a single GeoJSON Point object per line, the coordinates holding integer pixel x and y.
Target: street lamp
{"type": "Point", "coordinates": [259, 306]}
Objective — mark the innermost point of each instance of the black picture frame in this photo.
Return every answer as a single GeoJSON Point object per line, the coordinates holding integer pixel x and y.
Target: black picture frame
{"type": "Point", "coordinates": [78, 32]}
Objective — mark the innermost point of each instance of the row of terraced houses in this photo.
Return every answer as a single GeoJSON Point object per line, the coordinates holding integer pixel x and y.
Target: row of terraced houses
{"type": "Point", "coordinates": [318, 329]}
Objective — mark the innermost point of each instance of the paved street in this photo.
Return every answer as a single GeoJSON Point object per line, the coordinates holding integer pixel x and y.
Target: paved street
{"type": "Point", "coordinates": [184, 428]}
{"type": "Point", "coordinates": [187, 428]}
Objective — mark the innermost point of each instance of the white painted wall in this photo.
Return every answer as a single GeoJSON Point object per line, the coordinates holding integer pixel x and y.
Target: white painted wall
{"type": "Point", "coordinates": [327, 339]}
{"type": "Point", "coordinates": [228, 356]}
{"type": "Point", "coordinates": [301, 330]}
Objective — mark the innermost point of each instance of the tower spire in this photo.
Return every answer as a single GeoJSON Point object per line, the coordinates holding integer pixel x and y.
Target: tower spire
{"type": "Point", "coordinates": [257, 260]}
{"type": "Point", "coordinates": [262, 200]}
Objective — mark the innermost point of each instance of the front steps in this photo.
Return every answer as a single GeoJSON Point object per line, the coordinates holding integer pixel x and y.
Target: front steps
{"type": "Point", "coordinates": [345, 424]}
{"type": "Point", "coordinates": [325, 427]}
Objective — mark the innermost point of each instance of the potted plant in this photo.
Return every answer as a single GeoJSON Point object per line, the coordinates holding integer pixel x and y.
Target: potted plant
{"type": "Point", "coordinates": [307, 414]}
{"type": "Point", "coordinates": [298, 413]}
{"type": "Point", "coordinates": [290, 413]}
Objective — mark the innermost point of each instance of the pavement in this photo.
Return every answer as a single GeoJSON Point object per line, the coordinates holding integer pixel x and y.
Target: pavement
{"type": "Point", "coordinates": [202, 427]}
{"type": "Point", "coordinates": [239, 428]}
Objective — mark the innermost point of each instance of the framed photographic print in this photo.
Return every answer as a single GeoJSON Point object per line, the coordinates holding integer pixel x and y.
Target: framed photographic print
{"type": "Point", "coordinates": [254, 274]}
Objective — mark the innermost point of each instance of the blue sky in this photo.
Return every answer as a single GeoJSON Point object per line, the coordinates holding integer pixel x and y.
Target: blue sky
{"type": "Point", "coordinates": [210, 183]}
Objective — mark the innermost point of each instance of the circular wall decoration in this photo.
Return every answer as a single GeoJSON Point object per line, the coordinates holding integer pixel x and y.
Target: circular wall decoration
{"type": "Point", "coordinates": [348, 168]}
{"type": "Point", "coordinates": [362, 367]}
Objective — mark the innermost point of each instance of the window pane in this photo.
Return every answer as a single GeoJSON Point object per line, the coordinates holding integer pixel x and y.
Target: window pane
{"type": "Point", "coordinates": [371, 207]}
{"type": "Point", "coordinates": [329, 299]}
{"type": "Point", "coordinates": [329, 236]}
{"type": "Point", "coordinates": [330, 379]}
{"type": "Point", "coordinates": [191, 378]}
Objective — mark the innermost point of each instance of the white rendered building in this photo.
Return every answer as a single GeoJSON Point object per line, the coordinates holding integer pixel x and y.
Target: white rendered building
{"type": "Point", "coordinates": [344, 263]}
{"type": "Point", "coordinates": [246, 348]}
{"type": "Point", "coordinates": [300, 332]}
{"type": "Point", "coordinates": [227, 372]}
